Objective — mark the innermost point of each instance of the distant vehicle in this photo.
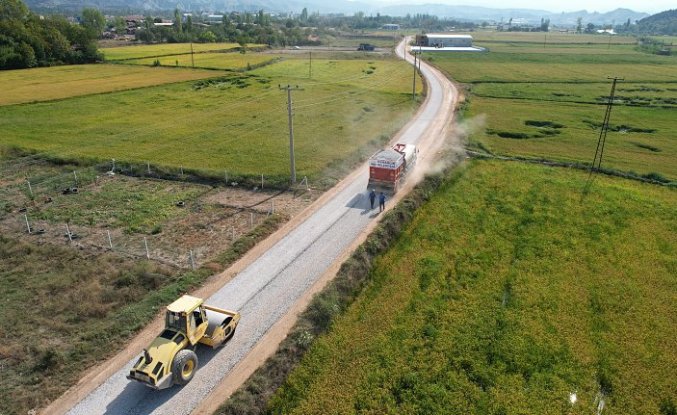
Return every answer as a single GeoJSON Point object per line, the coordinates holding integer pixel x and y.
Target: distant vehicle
{"type": "Point", "coordinates": [365, 47]}
{"type": "Point", "coordinates": [170, 359]}
{"type": "Point", "coordinates": [296, 47]}
{"type": "Point", "coordinates": [388, 168]}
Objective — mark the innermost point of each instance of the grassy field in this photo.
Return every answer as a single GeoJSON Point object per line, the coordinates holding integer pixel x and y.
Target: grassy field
{"type": "Point", "coordinates": [548, 102]}
{"type": "Point", "coordinates": [561, 38]}
{"type": "Point", "coordinates": [230, 61]}
{"type": "Point", "coordinates": [235, 122]}
{"type": "Point", "coordinates": [508, 293]}
{"type": "Point", "coordinates": [59, 82]}
{"type": "Point", "coordinates": [164, 49]}
{"type": "Point", "coordinates": [83, 308]}
{"type": "Point", "coordinates": [382, 40]}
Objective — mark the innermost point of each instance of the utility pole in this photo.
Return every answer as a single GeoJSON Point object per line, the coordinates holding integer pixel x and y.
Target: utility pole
{"type": "Point", "coordinates": [292, 159]}
{"type": "Point", "coordinates": [310, 64]}
{"type": "Point", "coordinates": [192, 58]}
{"type": "Point", "coordinates": [413, 91]}
{"type": "Point", "coordinates": [419, 57]}
{"type": "Point", "coordinates": [599, 151]}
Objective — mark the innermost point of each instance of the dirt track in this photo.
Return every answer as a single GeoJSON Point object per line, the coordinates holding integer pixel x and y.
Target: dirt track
{"type": "Point", "coordinates": [270, 285]}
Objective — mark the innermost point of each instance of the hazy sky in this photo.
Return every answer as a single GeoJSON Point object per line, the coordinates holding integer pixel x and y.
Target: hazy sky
{"type": "Point", "coordinates": [652, 6]}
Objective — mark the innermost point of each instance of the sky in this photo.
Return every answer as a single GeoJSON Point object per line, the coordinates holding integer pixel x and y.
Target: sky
{"type": "Point", "coordinates": [652, 6]}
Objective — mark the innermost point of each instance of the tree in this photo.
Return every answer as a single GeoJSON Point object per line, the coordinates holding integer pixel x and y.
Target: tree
{"type": "Point", "coordinates": [304, 15]}
{"type": "Point", "coordinates": [177, 21]}
{"type": "Point", "coordinates": [13, 10]}
{"type": "Point", "coordinates": [94, 22]}
{"type": "Point", "coordinates": [579, 25]}
{"type": "Point", "coordinates": [120, 25]}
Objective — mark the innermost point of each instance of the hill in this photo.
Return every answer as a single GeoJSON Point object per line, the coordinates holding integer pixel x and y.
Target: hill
{"type": "Point", "coordinates": [470, 13]}
{"type": "Point", "coordinates": [663, 23]}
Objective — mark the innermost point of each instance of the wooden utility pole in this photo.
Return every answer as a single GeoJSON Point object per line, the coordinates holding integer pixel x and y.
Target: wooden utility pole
{"type": "Point", "coordinates": [292, 158]}
{"type": "Point", "coordinates": [413, 91]}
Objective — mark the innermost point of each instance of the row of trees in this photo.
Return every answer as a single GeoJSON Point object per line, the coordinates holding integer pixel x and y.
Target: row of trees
{"type": "Point", "coordinates": [263, 28]}
{"type": "Point", "coordinates": [28, 40]}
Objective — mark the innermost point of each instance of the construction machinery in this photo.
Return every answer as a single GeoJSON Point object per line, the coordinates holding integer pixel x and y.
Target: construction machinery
{"type": "Point", "coordinates": [388, 168]}
{"type": "Point", "coordinates": [170, 359]}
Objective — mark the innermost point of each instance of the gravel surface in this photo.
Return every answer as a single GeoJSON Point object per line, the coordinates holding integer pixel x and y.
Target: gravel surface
{"type": "Point", "coordinates": [266, 290]}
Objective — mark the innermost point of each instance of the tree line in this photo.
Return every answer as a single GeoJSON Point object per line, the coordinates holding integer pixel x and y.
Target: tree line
{"type": "Point", "coordinates": [262, 28]}
{"type": "Point", "coordinates": [28, 40]}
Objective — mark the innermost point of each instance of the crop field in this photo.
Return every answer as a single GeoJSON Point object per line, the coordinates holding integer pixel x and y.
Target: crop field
{"type": "Point", "coordinates": [164, 49]}
{"type": "Point", "coordinates": [235, 123]}
{"type": "Point", "coordinates": [382, 40]}
{"type": "Point", "coordinates": [551, 103]}
{"type": "Point", "coordinates": [229, 61]}
{"type": "Point", "coordinates": [510, 292]}
{"type": "Point", "coordinates": [561, 38]}
{"type": "Point", "coordinates": [59, 82]}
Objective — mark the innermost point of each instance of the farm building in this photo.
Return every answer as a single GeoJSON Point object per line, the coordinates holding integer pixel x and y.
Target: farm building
{"type": "Point", "coordinates": [444, 42]}
{"type": "Point", "coordinates": [390, 26]}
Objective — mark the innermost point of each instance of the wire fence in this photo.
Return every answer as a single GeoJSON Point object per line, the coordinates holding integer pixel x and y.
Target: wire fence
{"type": "Point", "coordinates": [30, 191]}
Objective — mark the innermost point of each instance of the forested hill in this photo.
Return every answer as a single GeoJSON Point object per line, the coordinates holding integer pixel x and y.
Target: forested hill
{"type": "Point", "coordinates": [28, 40]}
{"type": "Point", "coordinates": [664, 23]}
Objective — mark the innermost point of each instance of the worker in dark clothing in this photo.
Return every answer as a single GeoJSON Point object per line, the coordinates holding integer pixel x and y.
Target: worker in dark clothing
{"type": "Point", "coordinates": [372, 197]}
{"type": "Point", "coordinates": [382, 202]}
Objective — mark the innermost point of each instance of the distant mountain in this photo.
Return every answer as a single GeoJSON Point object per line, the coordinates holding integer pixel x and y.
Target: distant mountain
{"type": "Point", "coordinates": [528, 16]}
{"type": "Point", "coordinates": [664, 23]}
{"type": "Point", "coordinates": [468, 13]}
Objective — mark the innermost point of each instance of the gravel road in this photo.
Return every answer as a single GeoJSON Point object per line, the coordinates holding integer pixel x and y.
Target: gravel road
{"type": "Point", "coordinates": [266, 290]}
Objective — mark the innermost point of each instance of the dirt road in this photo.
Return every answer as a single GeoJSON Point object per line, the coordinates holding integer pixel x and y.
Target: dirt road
{"type": "Point", "coordinates": [271, 287]}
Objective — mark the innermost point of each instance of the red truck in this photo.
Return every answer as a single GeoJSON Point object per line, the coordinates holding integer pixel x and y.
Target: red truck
{"type": "Point", "coordinates": [387, 168]}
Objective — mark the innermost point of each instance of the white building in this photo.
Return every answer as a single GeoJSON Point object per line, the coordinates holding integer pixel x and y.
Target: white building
{"type": "Point", "coordinates": [434, 42]}
{"type": "Point", "coordinates": [447, 41]}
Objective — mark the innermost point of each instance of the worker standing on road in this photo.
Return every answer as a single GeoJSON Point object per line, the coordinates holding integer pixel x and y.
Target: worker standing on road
{"type": "Point", "coordinates": [372, 197]}
{"type": "Point", "coordinates": [382, 202]}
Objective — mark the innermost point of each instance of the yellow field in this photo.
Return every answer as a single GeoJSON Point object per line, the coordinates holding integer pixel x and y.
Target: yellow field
{"type": "Point", "coordinates": [45, 84]}
{"type": "Point", "coordinates": [232, 61]}
{"type": "Point", "coordinates": [164, 49]}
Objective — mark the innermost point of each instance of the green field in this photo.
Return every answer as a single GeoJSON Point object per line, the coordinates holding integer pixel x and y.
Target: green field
{"type": "Point", "coordinates": [236, 122]}
{"type": "Point", "coordinates": [230, 61]}
{"type": "Point", "coordinates": [507, 293]}
{"type": "Point", "coordinates": [553, 37]}
{"type": "Point", "coordinates": [164, 49]}
{"type": "Point", "coordinates": [59, 82]}
{"type": "Point", "coordinates": [549, 103]}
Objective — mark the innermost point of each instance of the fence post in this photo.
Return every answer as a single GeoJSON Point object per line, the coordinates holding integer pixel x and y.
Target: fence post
{"type": "Point", "coordinates": [76, 178]}
{"type": "Point", "coordinates": [28, 225]}
{"type": "Point", "coordinates": [145, 242]}
{"type": "Point", "coordinates": [68, 232]}
{"type": "Point", "coordinates": [30, 188]}
{"type": "Point", "coordinates": [225, 175]}
{"type": "Point", "coordinates": [148, 165]}
{"type": "Point", "coordinates": [251, 219]}
{"type": "Point", "coordinates": [192, 260]}
{"type": "Point", "coordinates": [261, 181]}
{"type": "Point", "coordinates": [110, 240]}
{"type": "Point", "coordinates": [232, 230]}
